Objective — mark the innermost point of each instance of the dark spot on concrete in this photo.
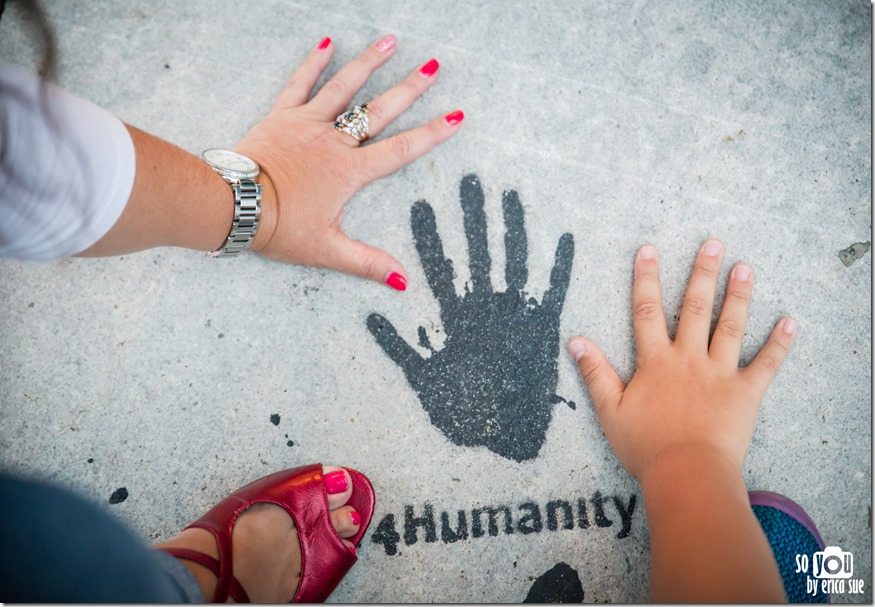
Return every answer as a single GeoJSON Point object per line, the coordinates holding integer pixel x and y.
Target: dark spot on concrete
{"type": "Point", "coordinates": [275, 420]}
{"type": "Point", "coordinates": [561, 584]}
{"type": "Point", "coordinates": [290, 443]}
{"type": "Point", "coordinates": [854, 252]}
{"type": "Point", "coordinates": [166, 66]}
{"type": "Point", "coordinates": [30, 305]}
{"type": "Point", "coordinates": [221, 335]}
{"type": "Point", "coordinates": [90, 460]}
{"type": "Point", "coordinates": [118, 496]}
{"type": "Point", "coordinates": [493, 382]}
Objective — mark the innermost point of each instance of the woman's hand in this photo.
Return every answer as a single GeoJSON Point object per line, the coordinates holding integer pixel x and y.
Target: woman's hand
{"type": "Point", "coordinates": [687, 398]}
{"type": "Point", "coordinates": [310, 170]}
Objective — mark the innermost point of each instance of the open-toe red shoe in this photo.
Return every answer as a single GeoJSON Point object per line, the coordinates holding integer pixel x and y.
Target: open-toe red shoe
{"type": "Point", "coordinates": [301, 492]}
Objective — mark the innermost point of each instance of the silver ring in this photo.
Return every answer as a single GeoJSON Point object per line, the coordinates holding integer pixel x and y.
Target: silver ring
{"type": "Point", "coordinates": [354, 122]}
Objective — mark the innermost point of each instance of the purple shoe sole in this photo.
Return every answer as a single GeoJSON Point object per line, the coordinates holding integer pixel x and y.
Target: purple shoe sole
{"type": "Point", "coordinates": [787, 506]}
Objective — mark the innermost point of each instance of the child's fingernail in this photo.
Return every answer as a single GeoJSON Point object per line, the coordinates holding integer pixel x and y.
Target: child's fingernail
{"type": "Point", "coordinates": [577, 349]}
{"type": "Point", "coordinates": [335, 482]}
{"type": "Point", "coordinates": [789, 326]}
{"type": "Point", "coordinates": [396, 281]}
{"type": "Point", "coordinates": [647, 252]}
{"type": "Point", "coordinates": [324, 44]}
{"type": "Point", "coordinates": [454, 118]}
{"type": "Point", "coordinates": [429, 68]}
{"type": "Point", "coordinates": [742, 273]}
{"type": "Point", "coordinates": [356, 518]}
{"type": "Point", "coordinates": [712, 247]}
{"type": "Point", "coordinates": [384, 44]}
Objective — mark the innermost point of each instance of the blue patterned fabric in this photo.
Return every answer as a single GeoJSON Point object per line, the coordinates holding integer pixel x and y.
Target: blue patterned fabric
{"type": "Point", "coordinates": [788, 537]}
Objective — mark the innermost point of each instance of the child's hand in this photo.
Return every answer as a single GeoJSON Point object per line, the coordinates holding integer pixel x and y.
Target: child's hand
{"type": "Point", "coordinates": [686, 398]}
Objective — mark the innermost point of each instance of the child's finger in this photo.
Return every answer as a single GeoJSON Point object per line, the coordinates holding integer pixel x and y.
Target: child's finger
{"type": "Point", "coordinates": [604, 385]}
{"type": "Point", "coordinates": [729, 334]}
{"type": "Point", "coordinates": [767, 362]}
{"type": "Point", "coordinates": [648, 317]}
{"type": "Point", "coordinates": [695, 322]}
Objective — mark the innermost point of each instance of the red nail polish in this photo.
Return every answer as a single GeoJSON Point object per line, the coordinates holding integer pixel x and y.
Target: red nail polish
{"type": "Point", "coordinates": [324, 44]}
{"type": "Point", "coordinates": [356, 518]}
{"type": "Point", "coordinates": [454, 117]}
{"type": "Point", "coordinates": [429, 68]}
{"type": "Point", "coordinates": [396, 281]}
{"type": "Point", "coordinates": [335, 482]}
{"type": "Point", "coordinates": [352, 549]}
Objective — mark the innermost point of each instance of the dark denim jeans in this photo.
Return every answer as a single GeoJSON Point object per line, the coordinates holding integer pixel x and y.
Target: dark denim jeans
{"type": "Point", "coordinates": [55, 547]}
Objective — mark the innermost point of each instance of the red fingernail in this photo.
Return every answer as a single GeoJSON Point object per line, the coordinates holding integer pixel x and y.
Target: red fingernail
{"type": "Point", "coordinates": [356, 518]}
{"type": "Point", "coordinates": [384, 44]}
{"type": "Point", "coordinates": [454, 118]}
{"type": "Point", "coordinates": [429, 68]}
{"type": "Point", "coordinates": [352, 549]}
{"type": "Point", "coordinates": [324, 44]}
{"type": "Point", "coordinates": [335, 482]}
{"type": "Point", "coordinates": [396, 281]}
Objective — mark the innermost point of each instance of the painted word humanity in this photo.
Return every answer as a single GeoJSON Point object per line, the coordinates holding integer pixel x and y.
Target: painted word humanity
{"type": "Point", "coordinates": [424, 524]}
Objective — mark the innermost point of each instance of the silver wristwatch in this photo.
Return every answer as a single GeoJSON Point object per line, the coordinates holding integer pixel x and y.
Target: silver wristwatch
{"type": "Point", "coordinates": [239, 172]}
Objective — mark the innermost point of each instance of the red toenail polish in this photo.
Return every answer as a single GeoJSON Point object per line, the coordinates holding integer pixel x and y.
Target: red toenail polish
{"type": "Point", "coordinates": [352, 549]}
{"type": "Point", "coordinates": [335, 482]}
{"type": "Point", "coordinates": [324, 44]}
{"type": "Point", "coordinates": [356, 518]}
{"type": "Point", "coordinates": [396, 281]}
{"type": "Point", "coordinates": [429, 68]}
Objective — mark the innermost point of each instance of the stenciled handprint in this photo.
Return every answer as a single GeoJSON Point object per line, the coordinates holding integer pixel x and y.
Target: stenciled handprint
{"type": "Point", "coordinates": [493, 382]}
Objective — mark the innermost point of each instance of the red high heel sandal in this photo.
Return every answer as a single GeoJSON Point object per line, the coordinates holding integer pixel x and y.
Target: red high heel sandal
{"type": "Point", "coordinates": [301, 491]}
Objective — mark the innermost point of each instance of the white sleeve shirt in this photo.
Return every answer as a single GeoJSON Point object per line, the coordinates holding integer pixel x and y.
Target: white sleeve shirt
{"type": "Point", "coordinates": [66, 169]}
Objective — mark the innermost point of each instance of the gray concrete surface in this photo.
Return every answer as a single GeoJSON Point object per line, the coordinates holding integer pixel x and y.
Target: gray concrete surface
{"type": "Point", "coordinates": [618, 122]}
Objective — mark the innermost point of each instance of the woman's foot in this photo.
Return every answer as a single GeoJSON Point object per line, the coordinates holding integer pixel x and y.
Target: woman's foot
{"type": "Point", "coordinates": [266, 551]}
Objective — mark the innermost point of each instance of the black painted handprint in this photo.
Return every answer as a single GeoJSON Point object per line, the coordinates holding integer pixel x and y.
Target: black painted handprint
{"type": "Point", "coordinates": [493, 382]}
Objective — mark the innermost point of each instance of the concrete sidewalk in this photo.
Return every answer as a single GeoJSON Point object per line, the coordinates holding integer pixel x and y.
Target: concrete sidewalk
{"type": "Point", "coordinates": [619, 123]}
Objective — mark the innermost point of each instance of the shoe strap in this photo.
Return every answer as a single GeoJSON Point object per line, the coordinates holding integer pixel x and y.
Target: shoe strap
{"type": "Point", "coordinates": [235, 589]}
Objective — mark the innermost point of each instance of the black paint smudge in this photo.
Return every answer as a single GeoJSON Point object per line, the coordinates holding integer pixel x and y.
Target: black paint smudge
{"type": "Point", "coordinates": [118, 496]}
{"type": "Point", "coordinates": [561, 584]}
{"type": "Point", "coordinates": [275, 419]}
{"type": "Point", "coordinates": [493, 382]}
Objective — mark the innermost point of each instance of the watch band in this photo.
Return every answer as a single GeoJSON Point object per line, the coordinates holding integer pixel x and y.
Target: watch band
{"type": "Point", "coordinates": [247, 212]}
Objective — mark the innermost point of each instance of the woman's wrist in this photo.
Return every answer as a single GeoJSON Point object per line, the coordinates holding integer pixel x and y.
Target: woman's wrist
{"type": "Point", "coordinates": [268, 220]}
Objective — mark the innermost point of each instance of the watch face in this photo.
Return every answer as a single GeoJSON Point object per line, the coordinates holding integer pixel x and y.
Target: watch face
{"type": "Point", "coordinates": [233, 162]}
